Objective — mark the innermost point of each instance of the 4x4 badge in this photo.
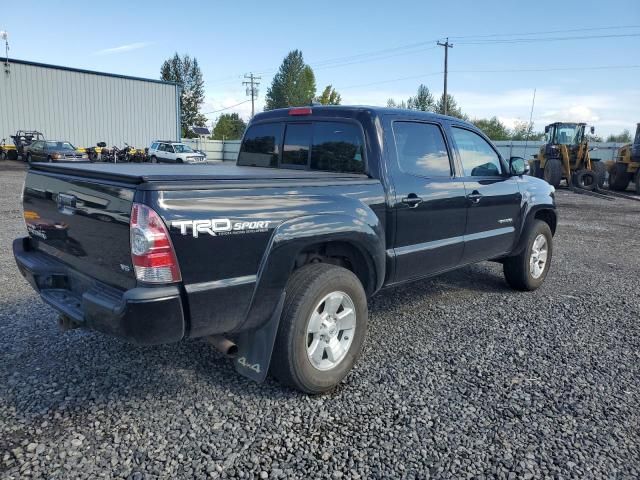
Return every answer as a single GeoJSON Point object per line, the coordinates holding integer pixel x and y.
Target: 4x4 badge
{"type": "Point", "coordinates": [255, 367]}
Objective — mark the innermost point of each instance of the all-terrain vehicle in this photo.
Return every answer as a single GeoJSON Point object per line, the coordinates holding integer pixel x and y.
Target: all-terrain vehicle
{"type": "Point", "coordinates": [565, 155]}
{"type": "Point", "coordinates": [626, 167]}
{"type": "Point", "coordinates": [22, 139]}
{"type": "Point", "coordinates": [6, 151]}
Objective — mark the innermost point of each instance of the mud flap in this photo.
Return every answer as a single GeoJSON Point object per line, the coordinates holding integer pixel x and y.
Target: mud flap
{"type": "Point", "coordinates": [255, 347]}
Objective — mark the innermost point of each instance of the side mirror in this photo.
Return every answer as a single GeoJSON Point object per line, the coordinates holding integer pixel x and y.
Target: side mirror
{"type": "Point", "coordinates": [593, 129]}
{"type": "Point", "coordinates": [546, 129]}
{"type": "Point", "coordinates": [518, 166]}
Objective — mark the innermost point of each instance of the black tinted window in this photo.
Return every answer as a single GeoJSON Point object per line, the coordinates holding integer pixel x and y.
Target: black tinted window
{"type": "Point", "coordinates": [261, 145]}
{"type": "Point", "coordinates": [478, 158]}
{"type": "Point", "coordinates": [296, 145]}
{"type": "Point", "coordinates": [337, 147]}
{"type": "Point", "coordinates": [421, 149]}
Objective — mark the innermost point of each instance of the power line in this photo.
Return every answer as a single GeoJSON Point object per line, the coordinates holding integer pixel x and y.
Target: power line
{"type": "Point", "coordinates": [225, 108]}
{"type": "Point", "coordinates": [586, 29]}
{"type": "Point", "coordinates": [518, 70]}
{"type": "Point", "coordinates": [381, 54]}
{"type": "Point", "coordinates": [544, 39]}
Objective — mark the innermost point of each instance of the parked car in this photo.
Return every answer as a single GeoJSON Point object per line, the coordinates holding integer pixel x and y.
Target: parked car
{"type": "Point", "coordinates": [274, 259]}
{"type": "Point", "coordinates": [162, 151]}
{"type": "Point", "coordinates": [54, 151]}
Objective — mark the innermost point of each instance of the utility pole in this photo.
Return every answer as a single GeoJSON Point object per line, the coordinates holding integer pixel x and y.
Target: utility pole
{"type": "Point", "coordinates": [446, 46]}
{"type": "Point", "coordinates": [252, 89]}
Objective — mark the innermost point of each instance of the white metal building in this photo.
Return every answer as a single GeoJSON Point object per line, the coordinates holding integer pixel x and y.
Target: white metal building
{"type": "Point", "coordinates": [86, 107]}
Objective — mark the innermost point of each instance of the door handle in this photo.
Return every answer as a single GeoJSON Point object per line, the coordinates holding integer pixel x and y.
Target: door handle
{"type": "Point", "coordinates": [412, 200]}
{"type": "Point", "coordinates": [475, 197]}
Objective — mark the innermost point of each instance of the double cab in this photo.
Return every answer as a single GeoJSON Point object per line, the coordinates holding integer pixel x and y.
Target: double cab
{"type": "Point", "coordinates": [273, 259]}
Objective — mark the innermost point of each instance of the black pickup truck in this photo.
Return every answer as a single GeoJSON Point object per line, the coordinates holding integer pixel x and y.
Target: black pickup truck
{"type": "Point", "coordinates": [273, 259]}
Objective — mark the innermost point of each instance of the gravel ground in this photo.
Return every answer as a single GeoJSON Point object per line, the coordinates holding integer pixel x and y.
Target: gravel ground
{"type": "Point", "coordinates": [460, 378]}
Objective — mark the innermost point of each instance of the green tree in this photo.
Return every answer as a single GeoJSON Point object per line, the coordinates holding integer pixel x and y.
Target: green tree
{"type": "Point", "coordinates": [229, 127]}
{"type": "Point", "coordinates": [186, 72]}
{"type": "Point", "coordinates": [329, 96]}
{"type": "Point", "coordinates": [524, 131]}
{"type": "Point", "coordinates": [422, 101]}
{"type": "Point", "coordinates": [624, 137]}
{"type": "Point", "coordinates": [391, 103]}
{"type": "Point", "coordinates": [493, 128]}
{"type": "Point", "coordinates": [452, 107]}
{"type": "Point", "coordinates": [293, 85]}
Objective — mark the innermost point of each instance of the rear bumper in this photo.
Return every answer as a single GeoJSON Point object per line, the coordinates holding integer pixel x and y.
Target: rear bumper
{"type": "Point", "coordinates": [143, 315]}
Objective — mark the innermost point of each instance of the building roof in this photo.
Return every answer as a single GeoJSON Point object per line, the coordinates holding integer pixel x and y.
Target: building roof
{"type": "Point", "coordinates": [80, 70]}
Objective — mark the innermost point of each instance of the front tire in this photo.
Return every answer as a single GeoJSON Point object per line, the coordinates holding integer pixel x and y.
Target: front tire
{"type": "Point", "coordinates": [553, 172]}
{"type": "Point", "coordinates": [600, 170]}
{"type": "Point", "coordinates": [619, 177]}
{"type": "Point", "coordinates": [322, 328]}
{"type": "Point", "coordinates": [154, 159]}
{"type": "Point", "coordinates": [527, 270]}
{"type": "Point", "coordinates": [29, 158]}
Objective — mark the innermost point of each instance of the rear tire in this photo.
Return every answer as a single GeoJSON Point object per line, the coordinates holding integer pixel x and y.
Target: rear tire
{"type": "Point", "coordinates": [12, 155]}
{"type": "Point", "coordinates": [311, 336]}
{"type": "Point", "coordinates": [618, 177]}
{"type": "Point", "coordinates": [600, 170]}
{"type": "Point", "coordinates": [527, 270]}
{"type": "Point", "coordinates": [585, 180]}
{"type": "Point", "coordinates": [553, 172]}
{"type": "Point", "coordinates": [638, 182]}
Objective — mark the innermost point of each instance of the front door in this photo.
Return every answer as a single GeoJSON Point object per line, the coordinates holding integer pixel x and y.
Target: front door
{"type": "Point", "coordinates": [493, 198]}
{"type": "Point", "coordinates": [430, 202]}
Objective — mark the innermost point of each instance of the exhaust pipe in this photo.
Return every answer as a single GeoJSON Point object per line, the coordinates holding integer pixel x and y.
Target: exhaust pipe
{"type": "Point", "coordinates": [66, 324]}
{"type": "Point", "coordinates": [223, 345]}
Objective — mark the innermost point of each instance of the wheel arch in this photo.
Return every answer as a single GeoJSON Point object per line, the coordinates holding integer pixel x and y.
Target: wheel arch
{"type": "Point", "coordinates": [333, 238]}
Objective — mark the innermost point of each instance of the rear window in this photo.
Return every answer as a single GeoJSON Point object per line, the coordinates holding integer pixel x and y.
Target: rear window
{"type": "Point", "coordinates": [261, 145]}
{"type": "Point", "coordinates": [327, 146]}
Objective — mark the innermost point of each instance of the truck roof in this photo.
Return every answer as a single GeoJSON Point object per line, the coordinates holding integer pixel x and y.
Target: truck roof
{"type": "Point", "coordinates": [351, 111]}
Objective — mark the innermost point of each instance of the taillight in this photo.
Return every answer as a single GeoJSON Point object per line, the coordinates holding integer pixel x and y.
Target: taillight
{"type": "Point", "coordinates": [152, 254]}
{"type": "Point", "coordinates": [300, 111]}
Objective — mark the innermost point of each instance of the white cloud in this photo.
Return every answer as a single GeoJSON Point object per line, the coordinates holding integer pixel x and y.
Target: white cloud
{"type": "Point", "coordinates": [123, 48]}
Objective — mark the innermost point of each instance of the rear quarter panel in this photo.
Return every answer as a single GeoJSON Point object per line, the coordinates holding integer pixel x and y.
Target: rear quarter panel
{"type": "Point", "coordinates": [233, 279]}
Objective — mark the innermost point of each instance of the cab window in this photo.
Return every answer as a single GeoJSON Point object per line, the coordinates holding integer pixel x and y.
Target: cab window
{"type": "Point", "coordinates": [478, 158]}
{"type": "Point", "coordinates": [421, 149]}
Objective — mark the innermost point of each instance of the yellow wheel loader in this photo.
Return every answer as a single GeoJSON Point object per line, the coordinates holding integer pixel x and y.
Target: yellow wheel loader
{"type": "Point", "coordinates": [565, 156]}
{"type": "Point", "coordinates": [626, 167]}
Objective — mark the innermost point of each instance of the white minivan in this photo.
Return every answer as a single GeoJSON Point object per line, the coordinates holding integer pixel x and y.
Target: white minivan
{"type": "Point", "coordinates": [174, 152]}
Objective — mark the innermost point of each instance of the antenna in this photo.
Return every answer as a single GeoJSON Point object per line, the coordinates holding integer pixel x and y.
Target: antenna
{"type": "Point", "coordinates": [526, 139]}
{"type": "Point", "coordinates": [4, 35]}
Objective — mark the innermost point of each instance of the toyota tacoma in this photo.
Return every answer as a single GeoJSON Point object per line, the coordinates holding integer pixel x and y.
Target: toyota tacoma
{"type": "Point", "coordinates": [273, 259]}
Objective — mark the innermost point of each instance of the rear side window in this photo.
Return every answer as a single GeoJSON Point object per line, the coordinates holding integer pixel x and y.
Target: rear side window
{"type": "Point", "coordinates": [421, 149]}
{"type": "Point", "coordinates": [337, 147]}
{"type": "Point", "coordinates": [478, 158]}
{"type": "Point", "coordinates": [261, 145]}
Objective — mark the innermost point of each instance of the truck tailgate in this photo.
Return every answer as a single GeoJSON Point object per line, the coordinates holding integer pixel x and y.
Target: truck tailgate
{"type": "Point", "coordinates": [82, 222]}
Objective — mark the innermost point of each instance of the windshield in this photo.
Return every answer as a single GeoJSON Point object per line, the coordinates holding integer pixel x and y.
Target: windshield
{"type": "Point", "coordinates": [568, 134]}
{"type": "Point", "coordinates": [182, 148]}
{"type": "Point", "coordinates": [60, 146]}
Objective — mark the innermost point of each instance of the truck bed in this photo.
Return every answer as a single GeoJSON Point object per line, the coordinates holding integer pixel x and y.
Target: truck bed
{"type": "Point", "coordinates": [138, 173]}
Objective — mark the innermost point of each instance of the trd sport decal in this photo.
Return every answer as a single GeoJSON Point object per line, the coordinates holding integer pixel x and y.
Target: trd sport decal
{"type": "Point", "coordinates": [218, 226]}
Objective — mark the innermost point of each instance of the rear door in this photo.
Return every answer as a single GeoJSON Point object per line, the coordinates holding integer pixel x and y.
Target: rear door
{"type": "Point", "coordinates": [430, 202]}
{"type": "Point", "coordinates": [493, 197]}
